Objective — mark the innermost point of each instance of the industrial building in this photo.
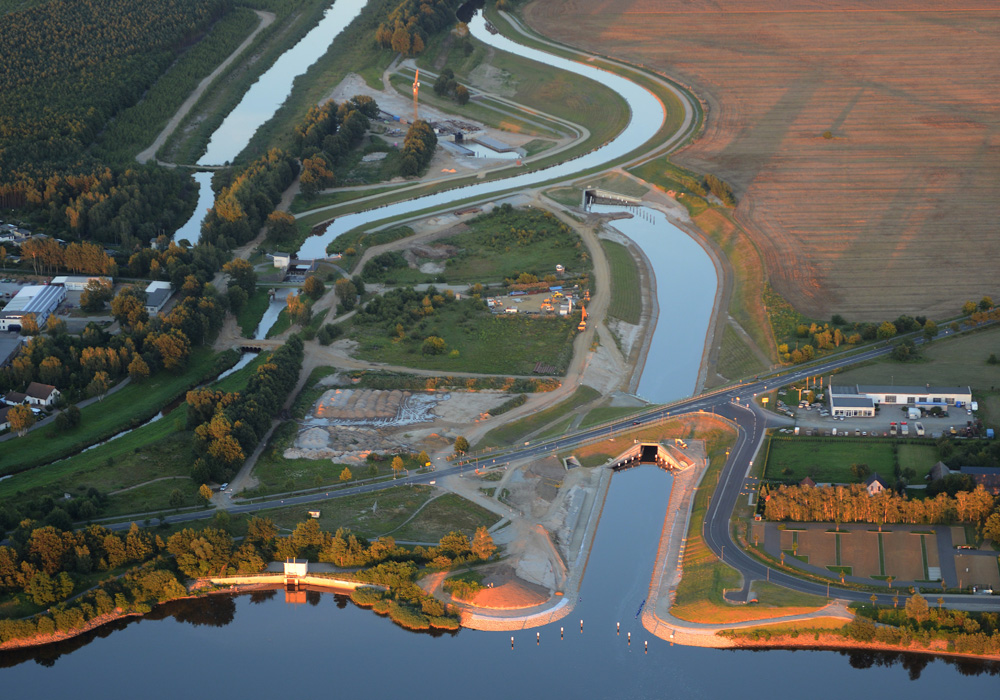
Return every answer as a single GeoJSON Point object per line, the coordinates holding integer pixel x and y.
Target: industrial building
{"type": "Point", "coordinates": [40, 300]}
{"type": "Point", "coordinates": [157, 294]}
{"type": "Point", "coordinates": [862, 399]}
{"type": "Point", "coordinates": [9, 347]}
{"type": "Point", "coordinates": [77, 283]}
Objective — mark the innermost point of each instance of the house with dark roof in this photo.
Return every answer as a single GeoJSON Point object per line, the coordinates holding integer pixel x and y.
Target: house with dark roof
{"type": "Point", "coordinates": [875, 484]}
{"type": "Point", "coordinates": [14, 398]}
{"type": "Point", "coordinates": [987, 477]}
{"type": "Point", "coordinates": [39, 394]}
{"type": "Point", "coordinates": [4, 423]}
{"type": "Point", "coordinates": [9, 347]}
{"type": "Point", "coordinates": [938, 472]}
{"type": "Point", "coordinates": [808, 482]}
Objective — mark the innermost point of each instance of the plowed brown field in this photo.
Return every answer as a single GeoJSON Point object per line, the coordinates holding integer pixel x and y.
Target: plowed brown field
{"type": "Point", "coordinates": [898, 211]}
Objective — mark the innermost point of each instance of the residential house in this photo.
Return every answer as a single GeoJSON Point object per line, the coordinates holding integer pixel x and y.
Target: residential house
{"type": "Point", "coordinates": [39, 394]}
{"type": "Point", "coordinates": [4, 423]}
{"type": "Point", "coordinates": [875, 484]}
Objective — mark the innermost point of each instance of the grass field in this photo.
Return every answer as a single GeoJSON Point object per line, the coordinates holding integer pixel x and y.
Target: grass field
{"type": "Point", "coordinates": [736, 359]}
{"type": "Point", "coordinates": [827, 460]}
{"type": "Point", "coordinates": [514, 431]}
{"type": "Point", "coordinates": [503, 245]}
{"type": "Point", "coordinates": [567, 196]}
{"type": "Point", "coordinates": [154, 451]}
{"type": "Point", "coordinates": [820, 110]}
{"type": "Point", "coordinates": [959, 361]}
{"type": "Point", "coordinates": [626, 292]}
{"type": "Point", "coordinates": [483, 342]}
{"type": "Point", "coordinates": [621, 184]}
{"type": "Point", "coordinates": [102, 419]}
{"type": "Point", "coordinates": [604, 414]}
{"type": "Point", "coordinates": [441, 516]}
{"type": "Point", "coordinates": [392, 508]}
{"type": "Point", "coordinates": [253, 311]}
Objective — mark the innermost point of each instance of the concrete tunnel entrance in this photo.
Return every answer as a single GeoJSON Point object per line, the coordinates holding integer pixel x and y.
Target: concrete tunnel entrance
{"type": "Point", "coordinates": [665, 457]}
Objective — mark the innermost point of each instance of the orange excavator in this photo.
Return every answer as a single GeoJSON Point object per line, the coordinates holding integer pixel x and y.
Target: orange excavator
{"type": "Point", "coordinates": [583, 319]}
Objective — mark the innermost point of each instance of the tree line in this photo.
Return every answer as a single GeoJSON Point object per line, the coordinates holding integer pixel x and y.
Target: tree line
{"type": "Point", "coordinates": [418, 147]}
{"type": "Point", "coordinates": [326, 135]}
{"type": "Point", "coordinates": [851, 504]}
{"type": "Point", "coordinates": [228, 425]}
{"type": "Point", "coordinates": [412, 22]}
{"type": "Point", "coordinates": [44, 566]}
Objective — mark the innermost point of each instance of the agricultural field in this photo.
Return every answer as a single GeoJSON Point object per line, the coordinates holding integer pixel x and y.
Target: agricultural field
{"type": "Point", "coordinates": [851, 148]}
{"type": "Point", "coordinates": [960, 361]}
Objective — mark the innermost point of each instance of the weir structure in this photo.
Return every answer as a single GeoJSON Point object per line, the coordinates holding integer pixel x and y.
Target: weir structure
{"type": "Point", "coordinates": [594, 195]}
{"type": "Point", "coordinates": [666, 457]}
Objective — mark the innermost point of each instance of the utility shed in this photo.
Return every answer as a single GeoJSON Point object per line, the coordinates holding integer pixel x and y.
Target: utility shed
{"type": "Point", "coordinates": [296, 567]}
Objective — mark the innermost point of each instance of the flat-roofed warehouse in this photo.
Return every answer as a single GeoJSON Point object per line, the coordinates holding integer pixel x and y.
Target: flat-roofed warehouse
{"type": "Point", "coordinates": [861, 399]}
{"type": "Point", "coordinates": [40, 300]}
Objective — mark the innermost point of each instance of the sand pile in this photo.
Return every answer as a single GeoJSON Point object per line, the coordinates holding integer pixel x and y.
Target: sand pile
{"type": "Point", "coordinates": [360, 404]}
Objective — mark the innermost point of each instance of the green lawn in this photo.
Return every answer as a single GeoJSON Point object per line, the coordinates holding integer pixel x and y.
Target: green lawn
{"type": "Point", "coordinates": [512, 432]}
{"type": "Point", "coordinates": [620, 184]}
{"type": "Point", "coordinates": [920, 458]}
{"type": "Point", "coordinates": [502, 245]}
{"type": "Point", "coordinates": [486, 343]}
{"type": "Point", "coordinates": [626, 292]}
{"type": "Point", "coordinates": [102, 419]}
{"type": "Point", "coordinates": [567, 196]}
{"type": "Point", "coordinates": [826, 459]}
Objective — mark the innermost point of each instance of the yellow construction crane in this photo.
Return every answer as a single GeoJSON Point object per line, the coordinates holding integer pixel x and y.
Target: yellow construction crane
{"type": "Point", "coordinates": [416, 89]}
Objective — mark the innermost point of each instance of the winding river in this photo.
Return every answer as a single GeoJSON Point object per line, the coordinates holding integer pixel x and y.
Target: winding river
{"type": "Point", "coordinates": [256, 645]}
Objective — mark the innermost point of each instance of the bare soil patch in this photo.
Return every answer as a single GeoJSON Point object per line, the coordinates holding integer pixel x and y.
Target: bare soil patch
{"type": "Point", "coordinates": [904, 184]}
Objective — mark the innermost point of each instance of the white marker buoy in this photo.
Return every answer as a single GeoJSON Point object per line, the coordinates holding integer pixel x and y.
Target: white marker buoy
{"type": "Point", "coordinates": [511, 642]}
{"type": "Point", "coordinates": [618, 628]}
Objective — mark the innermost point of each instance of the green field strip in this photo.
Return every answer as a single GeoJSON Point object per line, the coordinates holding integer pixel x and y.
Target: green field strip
{"type": "Point", "coordinates": [838, 548]}
{"type": "Point", "coordinates": [881, 555]}
{"type": "Point", "coordinates": [923, 554]}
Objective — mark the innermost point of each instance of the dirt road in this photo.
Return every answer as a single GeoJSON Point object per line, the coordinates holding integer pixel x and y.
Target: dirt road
{"type": "Point", "coordinates": [266, 18]}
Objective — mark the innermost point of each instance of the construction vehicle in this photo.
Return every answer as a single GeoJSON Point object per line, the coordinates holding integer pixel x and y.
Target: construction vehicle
{"type": "Point", "coordinates": [583, 320]}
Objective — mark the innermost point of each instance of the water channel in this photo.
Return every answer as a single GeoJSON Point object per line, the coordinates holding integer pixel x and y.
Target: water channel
{"type": "Point", "coordinates": [255, 645]}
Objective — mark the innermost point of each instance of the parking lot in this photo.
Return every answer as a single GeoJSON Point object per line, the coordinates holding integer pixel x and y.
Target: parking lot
{"type": "Point", "coordinates": [879, 425]}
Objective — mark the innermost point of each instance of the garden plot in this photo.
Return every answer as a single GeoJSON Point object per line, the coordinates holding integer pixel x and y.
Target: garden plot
{"type": "Point", "coordinates": [859, 550]}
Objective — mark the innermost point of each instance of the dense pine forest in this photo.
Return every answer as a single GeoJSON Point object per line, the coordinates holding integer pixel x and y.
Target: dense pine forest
{"type": "Point", "coordinates": [70, 66]}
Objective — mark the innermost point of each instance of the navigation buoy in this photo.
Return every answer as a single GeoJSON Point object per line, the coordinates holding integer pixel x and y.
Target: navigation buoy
{"type": "Point", "coordinates": [511, 642]}
{"type": "Point", "coordinates": [618, 628]}
{"type": "Point", "coordinates": [646, 651]}
{"type": "Point", "coordinates": [538, 638]}
{"type": "Point", "coordinates": [630, 639]}
{"type": "Point", "coordinates": [560, 633]}
{"type": "Point", "coordinates": [581, 626]}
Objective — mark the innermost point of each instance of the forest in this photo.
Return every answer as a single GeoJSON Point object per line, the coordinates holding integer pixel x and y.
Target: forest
{"type": "Point", "coordinates": [407, 27]}
{"type": "Point", "coordinates": [69, 68]}
{"type": "Point", "coordinates": [41, 567]}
